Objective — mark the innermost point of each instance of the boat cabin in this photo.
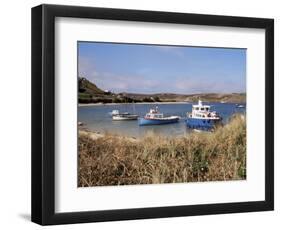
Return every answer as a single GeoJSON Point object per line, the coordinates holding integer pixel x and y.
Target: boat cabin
{"type": "Point", "coordinates": [202, 111]}
{"type": "Point", "coordinates": [203, 108]}
{"type": "Point", "coordinates": [154, 114]}
{"type": "Point", "coordinates": [115, 112]}
{"type": "Point", "coordinates": [200, 108]}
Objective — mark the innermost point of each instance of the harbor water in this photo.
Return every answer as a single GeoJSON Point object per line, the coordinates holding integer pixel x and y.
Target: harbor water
{"type": "Point", "coordinates": [97, 118]}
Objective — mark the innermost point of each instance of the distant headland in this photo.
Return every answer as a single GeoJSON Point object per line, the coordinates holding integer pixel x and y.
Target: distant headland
{"type": "Point", "coordinates": [89, 93]}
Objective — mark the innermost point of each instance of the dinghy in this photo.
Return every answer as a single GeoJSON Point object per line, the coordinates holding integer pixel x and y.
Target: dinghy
{"type": "Point", "coordinates": [116, 116]}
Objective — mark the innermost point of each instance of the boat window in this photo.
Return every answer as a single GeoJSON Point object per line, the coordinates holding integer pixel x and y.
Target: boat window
{"type": "Point", "coordinates": [202, 109]}
{"type": "Point", "coordinates": [207, 109]}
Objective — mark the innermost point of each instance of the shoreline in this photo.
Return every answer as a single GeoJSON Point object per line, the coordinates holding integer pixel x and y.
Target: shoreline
{"type": "Point", "coordinates": [151, 103]}
{"type": "Point", "coordinates": [137, 103]}
{"type": "Point", "coordinates": [96, 135]}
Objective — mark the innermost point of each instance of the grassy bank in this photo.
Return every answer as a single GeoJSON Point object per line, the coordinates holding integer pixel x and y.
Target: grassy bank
{"type": "Point", "coordinates": [114, 160]}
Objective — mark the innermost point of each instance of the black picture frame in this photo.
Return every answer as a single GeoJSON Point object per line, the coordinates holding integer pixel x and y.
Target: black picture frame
{"type": "Point", "coordinates": [43, 114]}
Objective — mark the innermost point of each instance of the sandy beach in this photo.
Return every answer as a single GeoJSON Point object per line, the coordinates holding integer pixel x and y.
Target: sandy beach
{"type": "Point", "coordinates": [96, 135]}
{"type": "Point", "coordinates": [92, 135]}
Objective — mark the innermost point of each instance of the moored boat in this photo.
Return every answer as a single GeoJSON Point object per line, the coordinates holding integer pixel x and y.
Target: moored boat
{"type": "Point", "coordinates": [240, 106]}
{"type": "Point", "coordinates": [125, 117]}
{"type": "Point", "coordinates": [154, 117]}
{"type": "Point", "coordinates": [116, 116]}
{"type": "Point", "coordinates": [202, 117]}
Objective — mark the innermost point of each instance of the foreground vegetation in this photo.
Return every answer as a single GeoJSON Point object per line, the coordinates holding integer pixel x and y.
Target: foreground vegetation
{"type": "Point", "coordinates": [115, 160]}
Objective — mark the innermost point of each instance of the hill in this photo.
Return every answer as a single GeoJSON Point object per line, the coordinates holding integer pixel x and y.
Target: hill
{"type": "Point", "coordinates": [90, 93]}
{"type": "Point", "coordinates": [85, 86]}
{"type": "Point", "coordinates": [88, 90]}
{"type": "Point", "coordinates": [208, 97]}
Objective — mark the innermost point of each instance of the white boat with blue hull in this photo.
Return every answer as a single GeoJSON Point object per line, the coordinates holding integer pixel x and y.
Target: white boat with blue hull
{"type": "Point", "coordinates": [156, 118]}
{"type": "Point", "coordinates": [202, 117]}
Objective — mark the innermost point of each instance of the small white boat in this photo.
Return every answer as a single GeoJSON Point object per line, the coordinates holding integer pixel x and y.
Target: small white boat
{"type": "Point", "coordinates": [240, 106]}
{"type": "Point", "coordinates": [116, 116]}
{"type": "Point", "coordinates": [80, 123]}
{"type": "Point", "coordinates": [125, 117]}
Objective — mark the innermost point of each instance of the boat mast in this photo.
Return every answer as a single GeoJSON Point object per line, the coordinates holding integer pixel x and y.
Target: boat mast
{"type": "Point", "coordinates": [134, 108]}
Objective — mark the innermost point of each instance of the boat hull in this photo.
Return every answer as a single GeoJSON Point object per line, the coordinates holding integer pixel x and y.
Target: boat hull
{"type": "Point", "coordinates": [145, 121]}
{"type": "Point", "coordinates": [202, 124]}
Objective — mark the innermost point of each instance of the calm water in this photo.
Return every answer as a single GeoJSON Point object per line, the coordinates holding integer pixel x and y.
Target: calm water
{"type": "Point", "coordinates": [97, 118]}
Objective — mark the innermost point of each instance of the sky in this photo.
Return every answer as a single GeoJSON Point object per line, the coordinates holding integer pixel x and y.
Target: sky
{"type": "Point", "coordinates": [136, 68]}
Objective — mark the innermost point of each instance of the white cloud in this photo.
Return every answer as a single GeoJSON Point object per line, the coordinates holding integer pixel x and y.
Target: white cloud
{"type": "Point", "coordinates": [189, 85]}
{"type": "Point", "coordinates": [142, 83]}
{"type": "Point", "coordinates": [174, 50]}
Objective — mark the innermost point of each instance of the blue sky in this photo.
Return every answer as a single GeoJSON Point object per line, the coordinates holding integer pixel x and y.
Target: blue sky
{"type": "Point", "coordinates": [162, 69]}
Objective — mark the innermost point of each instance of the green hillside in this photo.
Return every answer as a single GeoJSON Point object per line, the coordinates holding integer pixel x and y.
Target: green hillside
{"type": "Point", "coordinates": [88, 90]}
{"type": "Point", "coordinates": [85, 86]}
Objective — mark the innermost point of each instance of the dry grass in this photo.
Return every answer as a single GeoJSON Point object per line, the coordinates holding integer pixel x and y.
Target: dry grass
{"type": "Point", "coordinates": [113, 160]}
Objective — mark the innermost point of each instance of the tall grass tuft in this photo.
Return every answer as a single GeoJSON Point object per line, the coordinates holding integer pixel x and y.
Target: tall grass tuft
{"type": "Point", "coordinates": [114, 160]}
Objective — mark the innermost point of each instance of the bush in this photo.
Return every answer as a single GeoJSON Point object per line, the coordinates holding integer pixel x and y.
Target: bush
{"type": "Point", "coordinates": [116, 160]}
{"type": "Point", "coordinates": [84, 96]}
{"type": "Point", "coordinates": [147, 99]}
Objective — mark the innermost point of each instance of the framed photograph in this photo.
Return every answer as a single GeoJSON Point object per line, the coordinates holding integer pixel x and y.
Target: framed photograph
{"type": "Point", "coordinates": [142, 114]}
